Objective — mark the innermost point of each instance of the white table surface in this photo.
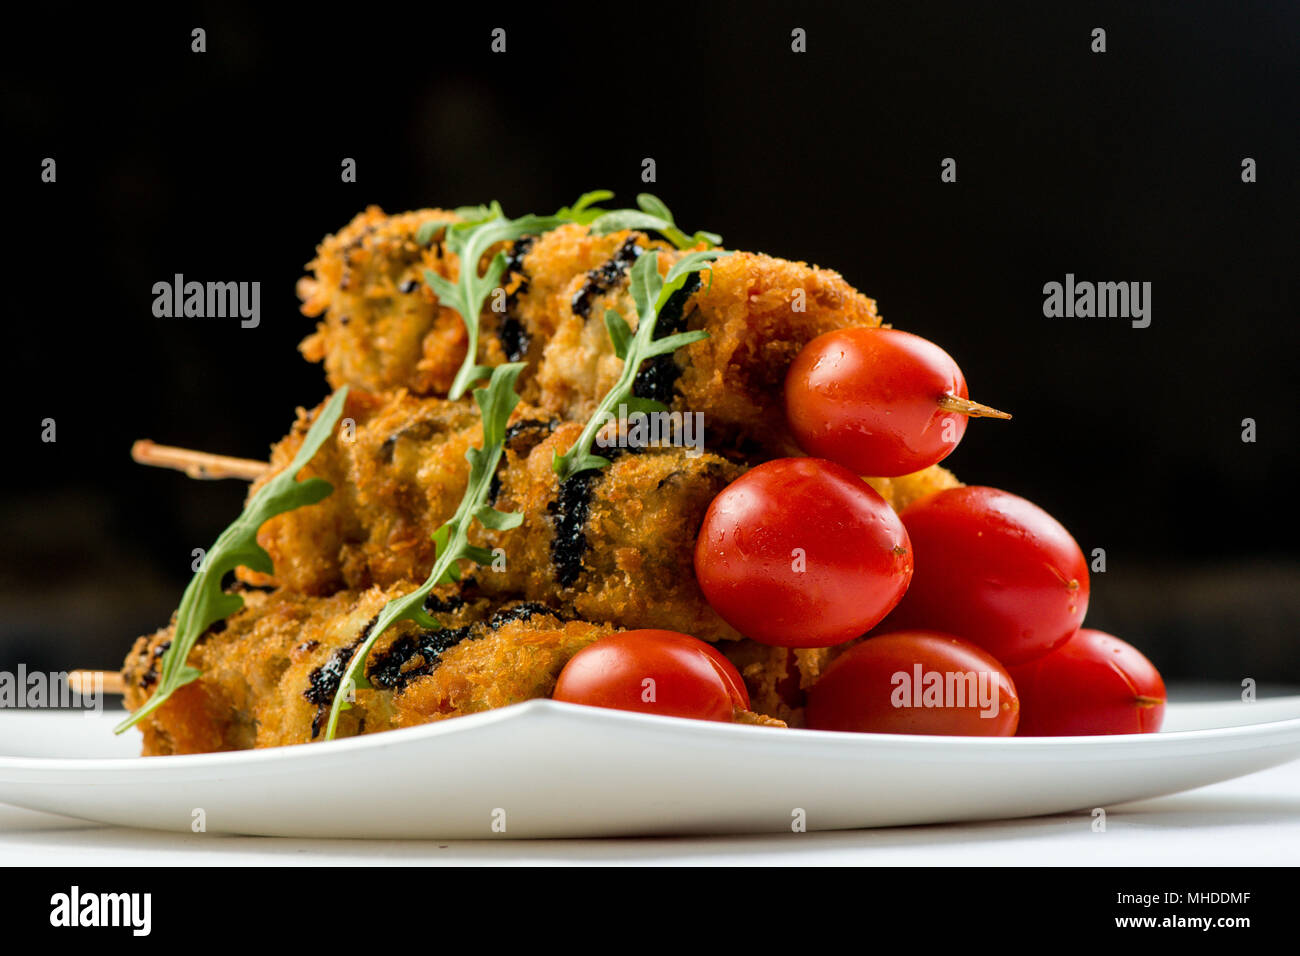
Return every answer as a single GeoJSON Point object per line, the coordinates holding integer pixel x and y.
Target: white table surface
{"type": "Point", "coordinates": [1251, 821]}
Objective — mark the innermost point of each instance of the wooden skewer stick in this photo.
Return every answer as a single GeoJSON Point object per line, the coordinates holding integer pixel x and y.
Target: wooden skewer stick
{"type": "Point", "coordinates": [196, 464]}
{"type": "Point", "coordinates": [964, 406]}
{"type": "Point", "coordinates": [84, 681]}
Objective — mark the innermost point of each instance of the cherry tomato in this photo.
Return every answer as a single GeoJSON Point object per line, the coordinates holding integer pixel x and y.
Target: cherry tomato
{"type": "Point", "coordinates": [996, 569]}
{"type": "Point", "coordinates": [879, 401]}
{"type": "Point", "coordinates": [801, 552]}
{"type": "Point", "coordinates": [654, 672]}
{"type": "Point", "coordinates": [915, 682]}
{"type": "Point", "coordinates": [1092, 684]}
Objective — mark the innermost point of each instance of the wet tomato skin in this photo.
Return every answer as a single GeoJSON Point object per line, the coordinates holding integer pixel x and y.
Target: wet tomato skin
{"type": "Point", "coordinates": [873, 688]}
{"type": "Point", "coordinates": [867, 398]}
{"type": "Point", "coordinates": [1092, 684]}
{"type": "Point", "coordinates": [996, 569]}
{"type": "Point", "coordinates": [801, 552]}
{"type": "Point", "coordinates": [654, 672]}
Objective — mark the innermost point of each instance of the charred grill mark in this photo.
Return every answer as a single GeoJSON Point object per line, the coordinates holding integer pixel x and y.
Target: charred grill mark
{"type": "Point", "coordinates": [522, 612]}
{"type": "Point", "coordinates": [386, 671]}
{"type": "Point", "coordinates": [515, 264]}
{"type": "Point", "coordinates": [150, 676]}
{"type": "Point", "coordinates": [605, 276]}
{"type": "Point", "coordinates": [658, 375]}
{"type": "Point", "coordinates": [324, 681]}
{"type": "Point", "coordinates": [436, 605]}
{"type": "Point", "coordinates": [513, 336]}
{"type": "Point", "coordinates": [569, 513]}
{"type": "Point", "coordinates": [521, 438]}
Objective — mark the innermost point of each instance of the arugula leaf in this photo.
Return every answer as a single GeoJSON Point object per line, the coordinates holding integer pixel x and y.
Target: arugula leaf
{"type": "Point", "coordinates": [584, 210]}
{"type": "Point", "coordinates": [465, 216]}
{"type": "Point", "coordinates": [424, 235]}
{"type": "Point", "coordinates": [620, 333]}
{"type": "Point", "coordinates": [204, 602]}
{"type": "Point", "coordinates": [479, 213]}
{"type": "Point", "coordinates": [652, 215]}
{"type": "Point", "coordinates": [650, 292]}
{"type": "Point", "coordinates": [495, 403]}
{"type": "Point", "coordinates": [484, 226]}
{"type": "Point", "coordinates": [470, 241]}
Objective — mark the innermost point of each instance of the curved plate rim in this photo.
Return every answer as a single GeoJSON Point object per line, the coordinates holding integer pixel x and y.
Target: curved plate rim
{"type": "Point", "coordinates": [701, 731]}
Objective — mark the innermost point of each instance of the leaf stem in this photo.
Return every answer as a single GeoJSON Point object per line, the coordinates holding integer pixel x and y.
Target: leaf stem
{"type": "Point", "coordinates": [651, 293]}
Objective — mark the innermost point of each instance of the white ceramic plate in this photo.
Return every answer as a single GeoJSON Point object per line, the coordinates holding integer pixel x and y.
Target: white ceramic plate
{"type": "Point", "coordinates": [545, 769]}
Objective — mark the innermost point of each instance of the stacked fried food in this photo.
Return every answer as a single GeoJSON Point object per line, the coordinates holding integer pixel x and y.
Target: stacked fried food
{"type": "Point", "coordinates": [600, 551]}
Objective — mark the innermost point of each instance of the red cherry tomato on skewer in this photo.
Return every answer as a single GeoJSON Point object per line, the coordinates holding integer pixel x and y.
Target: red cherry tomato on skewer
{"type": "Point", "coordinates": [879, 401]}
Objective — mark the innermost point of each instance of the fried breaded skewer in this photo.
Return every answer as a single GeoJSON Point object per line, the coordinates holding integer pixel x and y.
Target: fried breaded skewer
{"type": "Point", "coordinates": [269, 675]}
{"type": "Point", "coordinates": [614, 544]}
{"type": "Point", "coordinates": [381, 327]}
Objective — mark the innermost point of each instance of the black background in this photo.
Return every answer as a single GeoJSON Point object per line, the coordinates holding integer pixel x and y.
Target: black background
{"type": "Point", "coordinates": [1117, 166]}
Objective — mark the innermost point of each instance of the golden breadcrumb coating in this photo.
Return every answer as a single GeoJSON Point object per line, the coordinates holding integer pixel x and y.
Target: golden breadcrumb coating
{"type": "Point", "coordinates": [615, 544]}
{"type": "Point", "coordinates": [521, 661]}
{"type": "Point", "coordinates": [383, 327]}
{"type": "Point", "coordinates": [778, 678]}
{"type": "Point", "coordinates": [398, 471]}
{"type": "Point", "coordinates": [903, 490]}
{"type": "Point", "coordinates": [759, 312]}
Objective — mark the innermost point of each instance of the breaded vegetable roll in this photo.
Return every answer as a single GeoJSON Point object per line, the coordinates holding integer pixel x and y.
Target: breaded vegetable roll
{"type": "Point", "coordinates": [614, 544]}
{"type": "Point", "coordinates": [269, 675]}
{"type": "Point", "coordinates": [381, 326]}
